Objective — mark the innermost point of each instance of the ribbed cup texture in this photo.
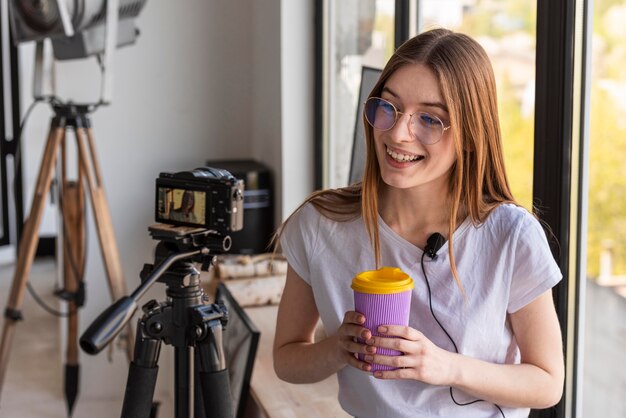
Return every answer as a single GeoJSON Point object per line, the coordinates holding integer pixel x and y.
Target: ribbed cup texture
{"type": "Point", "coordinates": [389, 309]}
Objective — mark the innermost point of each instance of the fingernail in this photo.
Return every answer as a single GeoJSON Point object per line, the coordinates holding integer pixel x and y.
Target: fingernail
{"type": "Point", "coordinates": [378, 374]}
{"type": "Point", "coordinates": [368, 358]}
{"type": "Point", "coordinates": [366, 367]}
{"type": "Point", "coordinates": [370, 341]}
{"type": "Point", "coordinates": [382, 329]}
{"type": "Point", "coordinates": [365, 334]}
{"type": "Point", "coordinates": [370, 349]}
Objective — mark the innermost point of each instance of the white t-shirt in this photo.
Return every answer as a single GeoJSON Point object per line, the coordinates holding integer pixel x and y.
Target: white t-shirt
{"type": "Point", "coordinates": [503, 264]}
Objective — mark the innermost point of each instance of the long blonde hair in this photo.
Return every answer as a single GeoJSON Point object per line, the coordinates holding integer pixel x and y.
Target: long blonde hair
{"type": "Point", "coordinates": [477, 181]}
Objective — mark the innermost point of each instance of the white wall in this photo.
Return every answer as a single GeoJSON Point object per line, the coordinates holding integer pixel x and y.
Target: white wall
{"type": "Point", "coordinates": [266, 92]}
{"type": "Point", "coordinates": [206, 79]}
{"type": "Point", "coordinates": [283, 42]}
{"type": "Point", "coordinates": [297, 75]}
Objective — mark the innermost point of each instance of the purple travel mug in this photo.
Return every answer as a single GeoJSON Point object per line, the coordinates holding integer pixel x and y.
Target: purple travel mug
{"type": "Point", "coordinates": [384, 297]}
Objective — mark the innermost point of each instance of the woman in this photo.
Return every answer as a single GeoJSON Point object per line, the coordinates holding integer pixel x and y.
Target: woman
{"type": "Point", "coordinates": [185, 212]}
{"type": "Point", "coordinates": [483, 338]}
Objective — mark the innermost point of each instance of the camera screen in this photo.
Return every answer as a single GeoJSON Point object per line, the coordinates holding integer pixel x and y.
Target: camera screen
{"type": "Point", "coordinates": [181, 206]}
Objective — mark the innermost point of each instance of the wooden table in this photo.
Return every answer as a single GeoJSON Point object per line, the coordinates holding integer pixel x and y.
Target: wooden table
{"type": "Point", "coordinates": [277, 399]}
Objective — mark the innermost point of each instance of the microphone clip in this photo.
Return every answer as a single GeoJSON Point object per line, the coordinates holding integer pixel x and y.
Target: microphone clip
{"type": "Point", "coordinates": [433, 244]}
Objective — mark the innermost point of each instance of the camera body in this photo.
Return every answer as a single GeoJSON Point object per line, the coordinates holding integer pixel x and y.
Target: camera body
{"type": "Point", "coordinates": [205, 197]}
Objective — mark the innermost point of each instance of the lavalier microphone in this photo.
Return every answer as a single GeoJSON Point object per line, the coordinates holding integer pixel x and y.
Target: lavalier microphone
{"type": "Point", "coordinates": [433, 244]}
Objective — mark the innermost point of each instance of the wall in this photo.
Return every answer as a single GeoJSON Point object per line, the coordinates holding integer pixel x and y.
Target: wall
{"type": "Point", "coordinates": [297, 51]}
{"type": "Point", "coordinates": [205, 80]}
{"type": "Point", "coordinates": [266, 92]}
{"type": "Point", "coordinates": [283, 79]}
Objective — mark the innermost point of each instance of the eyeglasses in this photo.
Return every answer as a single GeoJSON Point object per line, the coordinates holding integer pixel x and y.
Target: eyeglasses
{"type": "Point", "coordinates": [383, 115]}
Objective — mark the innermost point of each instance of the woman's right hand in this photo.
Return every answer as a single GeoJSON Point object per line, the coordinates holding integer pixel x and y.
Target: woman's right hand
{"type": "Point", "coordinates": [348, 345]}
{"type": "Point", "coordinates": [298, 357]}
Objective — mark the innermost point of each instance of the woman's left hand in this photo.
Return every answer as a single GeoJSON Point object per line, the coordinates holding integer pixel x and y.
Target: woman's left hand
{"type": "Point", "coordinates": [422, 360]}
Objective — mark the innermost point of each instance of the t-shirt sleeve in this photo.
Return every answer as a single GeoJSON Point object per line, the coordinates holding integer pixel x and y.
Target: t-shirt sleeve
{"type": "Point", "coordinates": [534, 267]}
{"type": "Point", "coordinates": [298, 240]}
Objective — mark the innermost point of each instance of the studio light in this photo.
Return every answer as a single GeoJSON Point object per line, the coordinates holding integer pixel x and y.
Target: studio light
{"type": "Point", "coordinates": [75, 27]}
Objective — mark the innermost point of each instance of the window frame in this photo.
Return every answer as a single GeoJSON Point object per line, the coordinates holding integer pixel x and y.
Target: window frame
{"type": "Point", "coordinates": [558, 178]}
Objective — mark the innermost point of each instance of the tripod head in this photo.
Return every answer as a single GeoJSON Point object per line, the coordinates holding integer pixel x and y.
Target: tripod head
{"type": "Point", "coordinates": [184, 320]}
{"type": "Point", "coordinates": [178, 248]}
{"type": "Point", "coordinates": [180, 239]}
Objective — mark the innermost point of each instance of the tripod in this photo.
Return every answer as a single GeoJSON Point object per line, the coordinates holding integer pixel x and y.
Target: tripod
{"type": "Point", "coordinates": [65, 116]}
{"type": "Point", "coordinates": [185, 320]}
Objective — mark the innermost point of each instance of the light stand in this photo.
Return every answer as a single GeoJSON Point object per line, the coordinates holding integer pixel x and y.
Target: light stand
{"type": "Point", "coordinates": [66, 115]}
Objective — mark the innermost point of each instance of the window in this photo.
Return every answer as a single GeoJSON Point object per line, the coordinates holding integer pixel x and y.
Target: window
{"type": "Point", "coordinates": [604, 377]}
{"type": "Point", "coordinates": [356, 33]}
{"type": "Point", "coordinates": [507, 31]}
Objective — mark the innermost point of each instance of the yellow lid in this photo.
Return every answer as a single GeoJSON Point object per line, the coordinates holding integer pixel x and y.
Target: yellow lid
{"type": "Point", "coordinates": [385, 280]}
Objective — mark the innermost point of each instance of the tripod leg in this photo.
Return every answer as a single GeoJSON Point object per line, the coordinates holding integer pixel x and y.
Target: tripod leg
{"type": "Point", "coordinates": [73, 204]}
{"type": "Point", "coordinates": [214, 377]}
{"type": "Point", "coordinates": [182, 394]}
{"type": "Point", "coordinates": [104, 224]}
{"type": "Point", "coordinates": [28, 244]}
{"type": "Point", "coordinates": [142, 376]}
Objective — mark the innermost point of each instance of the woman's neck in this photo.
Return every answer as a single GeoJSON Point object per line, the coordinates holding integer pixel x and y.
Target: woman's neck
{"type": "Point", "coordinates": [416, 213]}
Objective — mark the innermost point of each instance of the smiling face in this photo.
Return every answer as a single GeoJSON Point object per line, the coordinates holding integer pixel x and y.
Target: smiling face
{"type": "Point", "coordinates": [403, 160]}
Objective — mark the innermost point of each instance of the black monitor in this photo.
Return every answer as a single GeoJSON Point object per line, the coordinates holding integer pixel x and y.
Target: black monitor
{"type": "Point", "coordinates": [369, 77]}
{"type": "Point", "coordinates": [240, 341]}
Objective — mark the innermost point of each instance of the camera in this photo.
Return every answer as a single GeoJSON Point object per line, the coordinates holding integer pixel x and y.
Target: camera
{"type": "Point", "coordinates": [206, 197]}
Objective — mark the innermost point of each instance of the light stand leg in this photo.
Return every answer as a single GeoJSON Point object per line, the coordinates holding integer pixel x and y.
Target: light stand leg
{"type": "Point", "coordinates": [28, 242]}
{"type": "Point", "coordinates": [104, 224]}
{"type": "Point", "coordinates": [72, 201]}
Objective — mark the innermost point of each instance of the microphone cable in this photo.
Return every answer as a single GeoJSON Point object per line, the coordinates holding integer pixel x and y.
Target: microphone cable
{"type": "Point", "coordinates": [433, 255]}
